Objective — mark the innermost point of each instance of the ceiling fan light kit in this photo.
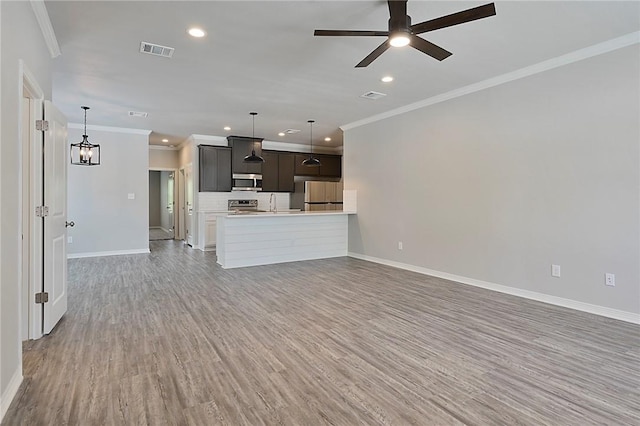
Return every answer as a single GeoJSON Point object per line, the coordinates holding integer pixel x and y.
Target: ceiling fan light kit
{"type": "Point", "coordinates": [253, 158]}
{"type": "Point", "coordinates": [402, 33]}
{"type": "Point", "coordinates": [85, 153]}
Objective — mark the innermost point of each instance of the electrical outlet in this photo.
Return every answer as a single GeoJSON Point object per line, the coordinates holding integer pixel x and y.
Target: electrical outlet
{"type": "Point", "coordinates": [610, 279]}
{"type": "Point", "coordinates": [131, 196]}
{"type": "Point", "coordinates": [399, 245]}
{"type": "Point", "coordinates": [69, 239]}
{"type": "Point", "coordinates": [555, 271]}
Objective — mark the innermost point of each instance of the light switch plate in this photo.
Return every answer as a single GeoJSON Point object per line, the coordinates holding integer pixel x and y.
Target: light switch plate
{"type": "Point", "coordinates": [131, 196]}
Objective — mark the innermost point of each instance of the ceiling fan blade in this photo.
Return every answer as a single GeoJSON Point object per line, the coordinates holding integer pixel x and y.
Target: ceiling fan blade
{"type": "Point", "coordinates": [468, 15]}
{"type": "Point", "coordinates": [373, 55]}
{"type": "Point", "coordinates": [397, 9]}
{"type": "Point", "coordinates": [342, 33]}
{"type": "Point", "coordinates": [429, 48]}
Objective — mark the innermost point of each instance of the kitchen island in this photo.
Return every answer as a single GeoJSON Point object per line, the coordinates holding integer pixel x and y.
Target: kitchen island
{"type": "Point", "coordinates": [251, 239]}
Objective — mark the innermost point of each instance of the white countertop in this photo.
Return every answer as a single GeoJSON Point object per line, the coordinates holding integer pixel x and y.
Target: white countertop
{"type": "Point", "coordinates": [285, 213]}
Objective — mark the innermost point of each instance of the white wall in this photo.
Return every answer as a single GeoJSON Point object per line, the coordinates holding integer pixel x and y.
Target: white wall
{"type": "Point", "coordinates": [499, 184]}
{"type": "Point", "coordinates": [21, 39]}
{"type": "Point", "coordinates": [162, 158]}
{"type": "Point", "coordinates": [107, 221]}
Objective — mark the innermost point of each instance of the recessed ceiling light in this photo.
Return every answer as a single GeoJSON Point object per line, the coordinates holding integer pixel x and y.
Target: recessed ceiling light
{"type": "Point", "coordinates": [281, 134]}
{"type": "Point", "coordinates": [227, 128]}
{"type": "Point", "coordinates": [196, 32]}
{"type": "Point", "coordinates": [327, 139]}
{"type": "Point", "coordinates": [165, 140]}
{"type": "Point", "coordinates": [387, 79]}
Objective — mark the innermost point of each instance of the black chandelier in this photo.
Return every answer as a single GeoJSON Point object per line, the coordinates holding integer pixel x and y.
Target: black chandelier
{"type": "Point", "coordinates": [253, 158]}
{"type": "Point", "coordinates": [85, 153]}
{"type": "Point", "coordinates": [311, 161]}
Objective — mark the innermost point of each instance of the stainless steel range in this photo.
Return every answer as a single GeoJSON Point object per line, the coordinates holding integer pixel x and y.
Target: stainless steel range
{"type": "Point", "coordinates": [239, 206]}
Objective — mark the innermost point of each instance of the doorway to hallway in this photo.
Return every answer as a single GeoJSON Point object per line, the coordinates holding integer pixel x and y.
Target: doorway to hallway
{"type": "Point", "coordinates": [161, 205]}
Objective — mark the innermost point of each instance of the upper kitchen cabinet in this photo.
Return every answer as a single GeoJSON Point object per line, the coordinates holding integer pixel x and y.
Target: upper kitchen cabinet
{"type": "Point", "coordinates": [302, 170]}
{"type": "Point", "coordinates": [278, 171]}
{"type": "Point", "coordinates": [241, 147]}
{"type": "Point", "coordinates": [331, 166]}
{"type": "Point", "coordinates": [215, 168]}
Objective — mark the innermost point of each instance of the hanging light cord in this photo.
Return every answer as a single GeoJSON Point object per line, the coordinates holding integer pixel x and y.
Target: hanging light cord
{"type": "Point", "coordinates": [253, 124]}
{"type": "Point", "coordinates": [311, 137]}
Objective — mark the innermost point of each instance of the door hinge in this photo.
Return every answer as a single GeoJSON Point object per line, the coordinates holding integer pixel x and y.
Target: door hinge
{"type": "Point", "coordinates": [42, 211]}
{"type": "Point", "coordinates": [42, 125]}
{"type": "Point", "coordinates": [42, 297]}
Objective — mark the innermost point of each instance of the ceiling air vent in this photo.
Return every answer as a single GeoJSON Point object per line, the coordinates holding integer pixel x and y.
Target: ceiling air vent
{"type": "Point", "coordinates": [156, 49]}
{"type": "Point", "coordinates": [138, 114]}
{"type": "Point", "coordinates": [373, 95]}
{"type": "Point", "coordinates": [291, 131]}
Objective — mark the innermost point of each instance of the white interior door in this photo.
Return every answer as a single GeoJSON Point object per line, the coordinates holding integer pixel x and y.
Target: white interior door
{"type": "Point", "coordinates": [55, 198]}
{"type": "Point", "coordinates": [189, 204]}
{"type": "Point", "coordinates": [170, 202]}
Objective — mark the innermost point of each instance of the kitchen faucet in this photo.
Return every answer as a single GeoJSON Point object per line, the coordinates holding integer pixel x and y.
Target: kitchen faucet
{"type": "Point", "coordinates": [272, 203]}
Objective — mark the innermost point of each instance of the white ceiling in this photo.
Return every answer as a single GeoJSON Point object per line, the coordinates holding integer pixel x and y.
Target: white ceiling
{"type": "Point", "coordinates": [262, 56]}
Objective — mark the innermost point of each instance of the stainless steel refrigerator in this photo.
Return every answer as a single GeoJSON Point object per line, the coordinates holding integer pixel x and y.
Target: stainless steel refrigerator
{"type": "Point", "coordinates": [317, 195]}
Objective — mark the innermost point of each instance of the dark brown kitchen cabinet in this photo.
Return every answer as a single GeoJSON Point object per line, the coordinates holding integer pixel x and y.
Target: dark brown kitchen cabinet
{"type": "Point", "coordinates": [302, 170]}
{"type": "Point", "coordinates": [241, 147]}
{"type": "Point", "coordinates": [215, 169]}
{"type": "Point", "coordinates": [331, 165]}
{"type": "Point", "coordinates": [278, 171]}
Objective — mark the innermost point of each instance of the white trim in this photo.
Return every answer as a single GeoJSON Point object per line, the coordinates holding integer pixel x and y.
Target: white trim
{"type": "Point", "coordinates": [2, 411]}
{"type": "Point", "coordinates": [163, 148]}
{"type": "Point", "coordinates": [578, 55]}
{"type": "Point", "coordinates": [28, 83]}
{"type": "Point", "coordinates": [10, 392]}
{"type": "Point", "coordinates": [527, 294]}
{"type": "Point", "coordinates": [110, 129]}
{"type": "Point", "coordinates": [107, 253]}
{"type": "Point", "coordinates": [42, 16]}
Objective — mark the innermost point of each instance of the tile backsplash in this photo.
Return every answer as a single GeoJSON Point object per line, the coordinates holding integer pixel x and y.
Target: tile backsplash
{"type": "Point", "coordinates": [218, 201]}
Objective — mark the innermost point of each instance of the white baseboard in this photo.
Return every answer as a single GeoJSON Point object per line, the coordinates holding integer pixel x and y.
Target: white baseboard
{"type": "Point", "coordinates": [10, 392]}
{"type": "Point", "coordinates": [107, 253]}
{"type": "Point", "coordinates": [527, 294]}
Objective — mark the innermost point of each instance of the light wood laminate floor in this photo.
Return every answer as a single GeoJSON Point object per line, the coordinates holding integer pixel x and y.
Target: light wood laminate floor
{"type": "Point", "coordinates": [171, 338]}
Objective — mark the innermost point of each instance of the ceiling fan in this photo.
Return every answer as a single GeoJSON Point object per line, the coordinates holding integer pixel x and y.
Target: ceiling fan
{"type": "Point", "coordinates": [402, 33]}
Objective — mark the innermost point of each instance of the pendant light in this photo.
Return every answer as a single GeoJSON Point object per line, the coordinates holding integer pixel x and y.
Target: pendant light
{"type": "Point", "coordinates": [85, 153]}
{"type": "Point", "coordinates": [311, 161]}
{"type": "Point", "coordinates": [253, 158]}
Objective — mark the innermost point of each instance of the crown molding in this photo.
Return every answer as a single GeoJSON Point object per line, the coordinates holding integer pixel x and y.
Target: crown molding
{"type": "Point", "coordinates": [42, 16]}
{"type": "Point", "coordinates": [569, 58]}
{"type": "Point", "coordinates": [110, 129]}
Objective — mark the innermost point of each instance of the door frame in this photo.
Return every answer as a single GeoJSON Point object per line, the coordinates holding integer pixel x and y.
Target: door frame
{"type": "Point", "coordinates": [175, 174]}
{"type": "Point", "coordinates": [29, 88]}
{"type": "Point", "coordinates": [180, 185]}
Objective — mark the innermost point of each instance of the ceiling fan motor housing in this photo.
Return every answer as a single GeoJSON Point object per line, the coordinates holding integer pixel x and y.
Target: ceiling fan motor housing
{"type": "Point", "coordinates": [400, 23]}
